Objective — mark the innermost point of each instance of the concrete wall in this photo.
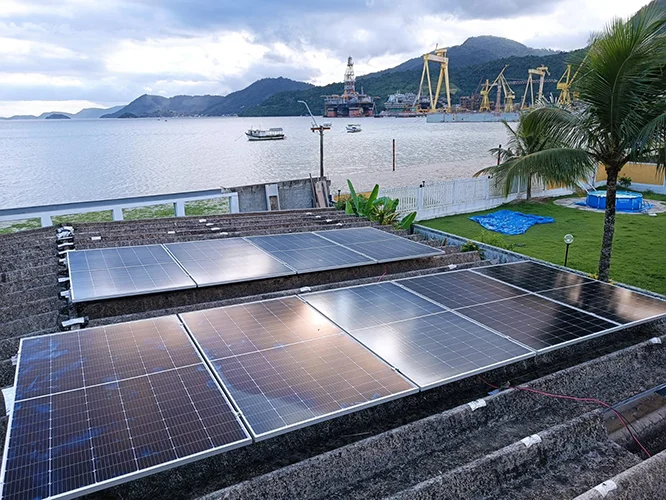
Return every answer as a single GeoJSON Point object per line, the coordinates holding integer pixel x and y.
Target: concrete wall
{"type": "Point", "coordinates": [644, 177]}
{"type": "Point", "coordinates": [292, 195]}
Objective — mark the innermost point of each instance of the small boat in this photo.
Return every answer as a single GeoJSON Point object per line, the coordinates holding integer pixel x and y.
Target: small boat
{"type": "Point", "coordinates": [272, 134]}
{"type": "Point", "coordinates": [353, 128]}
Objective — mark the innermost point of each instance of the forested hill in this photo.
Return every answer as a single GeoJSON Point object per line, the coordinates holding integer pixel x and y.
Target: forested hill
{"type": "Point", "coordinates": [464, 81]}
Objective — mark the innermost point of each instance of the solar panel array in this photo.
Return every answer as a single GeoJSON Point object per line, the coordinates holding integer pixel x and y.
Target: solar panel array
{"type": "Point", "coordinates": [98, 407]}
{"type": "Point", "coordinates": [101, 406]}
{"type": "Point", "coordinates": [125, 271]}
{"type": "Point", "coordinates": [286, 366]}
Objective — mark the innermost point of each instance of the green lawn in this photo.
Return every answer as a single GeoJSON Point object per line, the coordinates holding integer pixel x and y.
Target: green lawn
{"type": "Point", "coordinates": [639, 250]}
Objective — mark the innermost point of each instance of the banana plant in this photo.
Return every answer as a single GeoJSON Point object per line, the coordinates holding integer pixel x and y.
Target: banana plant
{"type": "Point", "coordinates": [360, 205]}
{"type": "Point", "coordinates": [382, 210]}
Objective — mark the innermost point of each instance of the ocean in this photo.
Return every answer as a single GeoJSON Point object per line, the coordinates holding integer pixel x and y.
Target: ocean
{"type": "Point", "coordinates": [57, 161]}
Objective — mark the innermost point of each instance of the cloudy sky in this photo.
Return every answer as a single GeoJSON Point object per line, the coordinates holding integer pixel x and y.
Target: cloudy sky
{"type": "Point", "coordinates": [68, 54]}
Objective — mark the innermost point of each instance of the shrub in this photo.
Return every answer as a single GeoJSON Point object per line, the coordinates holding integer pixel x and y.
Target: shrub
{"type": "Point", "coordinates": [495, 239]}
{"type": "Point", "coordinates": [341, 202]}
{"type": "Point", "coordinates": [469, 246]}
{"type": "Point", "coordinates": [624, 182]}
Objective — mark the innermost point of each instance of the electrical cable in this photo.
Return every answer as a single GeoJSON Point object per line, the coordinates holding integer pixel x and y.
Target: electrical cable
{"type": "Point", "coordinates": [583, 400]}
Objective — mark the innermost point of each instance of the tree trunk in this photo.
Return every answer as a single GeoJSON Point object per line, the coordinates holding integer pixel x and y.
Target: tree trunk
{"type": "Point", "coordinates": [529, 188]}
{"type": "Point", "coordinates": [609, 223]}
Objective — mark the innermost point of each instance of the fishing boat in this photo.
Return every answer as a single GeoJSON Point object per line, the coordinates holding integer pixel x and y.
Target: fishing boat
{"type": "Point", "coordinates": [272, 134]}
{"type": "Point", "coordinates": [353, 128]}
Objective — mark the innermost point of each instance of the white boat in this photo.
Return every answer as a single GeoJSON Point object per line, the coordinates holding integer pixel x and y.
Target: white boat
{"type": "Point", "coordinates": [272, 134]}
{"type": "Point", "coordinates": [327, 125]}
{"type": "Point", "coordinates": [353, 128]}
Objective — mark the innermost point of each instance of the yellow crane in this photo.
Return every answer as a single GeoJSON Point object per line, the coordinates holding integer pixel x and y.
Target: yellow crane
{"type": "Point", "coordinates": [509, 95]}
{"type": "Point", "coordinates": [541, 72]}
{"type": "Point", "coordinates": [440, 57]}
{"type": "Point", "coordinates": [485, 92]}
{"type": "Point", "coordinates": [565, 82]}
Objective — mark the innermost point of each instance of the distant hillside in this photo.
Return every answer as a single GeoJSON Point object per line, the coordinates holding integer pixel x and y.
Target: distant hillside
{"type": "Point", "coordinates": [87, 113]}
{"type": "Point", "coordinates": [57, 116]}
{"type": "Point", "coordinates": [206, 105]}
{"type": "Point", "coordinates": [464, 81]}
{"type": "Point", "coordinates": [474, 51]}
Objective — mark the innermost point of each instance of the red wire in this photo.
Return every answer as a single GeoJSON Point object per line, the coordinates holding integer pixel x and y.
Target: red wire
{"type": "Point", "coordinates": [382, 276]}
{"type": "Point", "coordinates": [584, 400]}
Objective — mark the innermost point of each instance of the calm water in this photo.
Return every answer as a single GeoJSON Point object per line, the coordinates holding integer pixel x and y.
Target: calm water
{"type": "Point", "coordinates": [43, 162]}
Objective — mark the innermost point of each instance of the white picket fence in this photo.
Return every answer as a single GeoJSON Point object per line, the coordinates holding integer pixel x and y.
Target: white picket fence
{"type": "Point", "coordinates": [459, 196]}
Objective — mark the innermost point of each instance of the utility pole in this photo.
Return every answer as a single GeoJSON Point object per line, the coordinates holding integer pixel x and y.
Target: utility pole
{"type": "Point", "coordinates": [315, 127]}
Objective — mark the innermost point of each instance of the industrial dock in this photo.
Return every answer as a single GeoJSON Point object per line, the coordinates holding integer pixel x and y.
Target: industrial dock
{"type": "Point", "coordinates": [351, 103]}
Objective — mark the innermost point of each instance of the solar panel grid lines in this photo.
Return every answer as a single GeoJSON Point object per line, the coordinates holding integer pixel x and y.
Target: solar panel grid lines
{"type": "Point", "coordinates": [117, 272]}
{"type": "Point", "coordinates": [441, 348]}
{"type": "Point", "coordinates": [531, 276]}
{"type": "Point", "coordinates": [617, 304]}
{"type": "Point", "coordinates": [228, 260]}
{"type": "Point", "coordinates": [108, 433]}
{"type": "Point", "coordinates": [459, 288]}
{"type": "Point", "coordinates": [307, 252]}
{"type": "Point", "coordinates": [379, 245]}
{"type": "Point", "coordinates": [537, 322]}
{"type": "Point", "coordinates": [255, 326]}
{"type": "Point", "coordinates": [297, 385]}
{"type": "Point", "coordinates": [375, 304]}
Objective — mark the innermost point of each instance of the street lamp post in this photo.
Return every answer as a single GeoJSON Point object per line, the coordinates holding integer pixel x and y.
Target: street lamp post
{"type": "Point", "coordinates": [568, 239]}
{"type": "Point", "coordinates": [317, 128]}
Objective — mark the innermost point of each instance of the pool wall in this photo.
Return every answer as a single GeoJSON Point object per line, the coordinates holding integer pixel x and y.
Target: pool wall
{"type": "Point", "coordinates": [625, 201]}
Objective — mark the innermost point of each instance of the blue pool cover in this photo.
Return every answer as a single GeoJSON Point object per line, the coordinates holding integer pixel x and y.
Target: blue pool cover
{"type": "Point", "coordinates": [510, 222]}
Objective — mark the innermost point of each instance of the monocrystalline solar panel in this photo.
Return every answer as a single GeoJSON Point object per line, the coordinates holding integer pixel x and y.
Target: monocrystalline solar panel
{"type": "Point", "coordinates": [66, 361]}
{"type": "Point", "coordinates": [370, 305]}
{"type": "Point", "coordinates": [214, 262]}
{"type": "Point", "coordinates": [307, 252]}
{"type": "Point", "coordinates": [99, 407]}
{"type": "Point", "coordinates": [379, 245]}
{"type": "Point", "coordinates": [532, 276]}
{"type": "Point", "coordinates": [460, 288]}
{"type": "Point", "coordinates": [307, 382]}
{"type": "Point", "coordinates": [537, 322]}
{"type": "Point", "coordinates": [612, 302]}
{"type": "Point", "coordinates": [440, 348]}
{"type": "Point", "coordinates": [233, 330]}
{"type": "Point", "coordinates": [118, 272]}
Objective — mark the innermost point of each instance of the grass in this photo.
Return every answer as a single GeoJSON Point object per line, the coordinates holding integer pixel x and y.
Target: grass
{"type": "Point", "coordinates": [192, 208]}
{"type": "Point", "coordinates": [639, 256]}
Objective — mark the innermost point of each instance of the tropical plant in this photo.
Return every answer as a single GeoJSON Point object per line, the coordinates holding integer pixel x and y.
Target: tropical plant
{"type": "Point", "coordinates": [382, 210]}
{"type": "Point", "coordinates": [359, 205]}
{"type": "Point", "coordinates": [622, 93]}
{"type": "Point", "coordinates": [533, 154]}
{"type": "Point", "coordinates": [624, 182]}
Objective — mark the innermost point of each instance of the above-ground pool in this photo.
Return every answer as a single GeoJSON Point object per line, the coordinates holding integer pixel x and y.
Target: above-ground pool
{"type": "Point", "coordinates": [625, 201]}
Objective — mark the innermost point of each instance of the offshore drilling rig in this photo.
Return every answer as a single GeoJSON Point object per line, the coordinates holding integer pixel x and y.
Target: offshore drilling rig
{"type": "Point", "coordinates": [350, 103]}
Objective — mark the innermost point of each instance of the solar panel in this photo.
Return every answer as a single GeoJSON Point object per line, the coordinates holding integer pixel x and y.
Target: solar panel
{"type": "Point", "coordinates": [379, 245]}
{"type": "Point", "coordinates": [94, 409]}
{"type": "Point", "coordinates": [614, 303]}
{"type": "Point", "coordinates": [532, 276]}
{"type": "Point", "coordinates": [118, 272]}
{"type": "Point", "coordinates": [537, 322]}
{"type": "Point", "coordinates": [307, 252]}
{"type": "Point", "coordinates": [214, 262]}
{"type": "Point", "coordinates": [299, 384]}
{"type": "Point", "coordinates": [370, 305]}
{"type": "Point", "coordinates": [458, 289]}
{"type": "Point", "coordinates": [440, 348]}
{"type": "Point", "coordinates": [233, 330]}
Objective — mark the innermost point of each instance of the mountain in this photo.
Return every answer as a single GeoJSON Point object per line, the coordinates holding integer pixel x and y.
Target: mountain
{"type": "Point", "coordinates": [58, 116]}
{"type": "Point", "coordinates": [474, 51]}
{"type": "Point", "coordinates": [464, 81]}
{"type": "Point", "coordinates": [207, 105]}
{"type": "Point", "coordinates": [254, 94]}
{"type": "Point", "coordinates": [87, 113]}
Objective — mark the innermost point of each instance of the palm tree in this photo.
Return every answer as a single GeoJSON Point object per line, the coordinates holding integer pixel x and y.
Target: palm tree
{"type": "Point", "coordinates": [533, 154]}
{"type": "Point", "coordinates": [622, 92]}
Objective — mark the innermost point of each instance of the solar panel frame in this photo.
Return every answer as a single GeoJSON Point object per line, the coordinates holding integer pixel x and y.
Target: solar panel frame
{"type": "Point", "coordinates": [285, 254]}
{"type": "Point", "coordinates": [188, 282]}
{"type": "Point", "coordinates": [190, 265]}
{"type": "Point", "coordinates": [487, 271]}
{"type": "Point", "coordinates": [380, 238]}
{"type": "Point", "coordinates": [114, 481]}
{"type": "Point", "coordinates": [259, 436]}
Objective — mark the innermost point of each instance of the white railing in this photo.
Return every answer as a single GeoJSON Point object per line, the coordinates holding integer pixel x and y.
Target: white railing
{"type": "Point", "coordinates": [459, 196]}
{"type": "Point", "coordinates": [46, 212]}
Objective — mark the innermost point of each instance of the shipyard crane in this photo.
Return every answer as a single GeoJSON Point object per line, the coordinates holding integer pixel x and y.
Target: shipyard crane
{"type": "Point", "coordinates": [541, 72]}
{"type": "Point", "coordinates": [485, 93]}
{"type": "Point", "coordinates": [509, 95]}
{"type": "Point", "coordinates": [565, 82]}
{"type": "Point", "coordinates": [440, 57]}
